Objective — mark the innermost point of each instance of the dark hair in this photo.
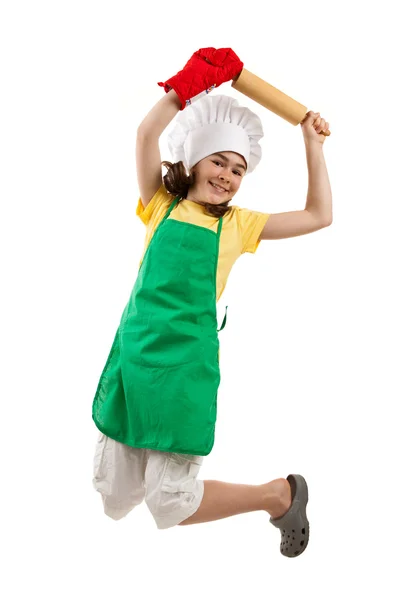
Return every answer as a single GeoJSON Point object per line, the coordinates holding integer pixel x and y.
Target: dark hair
{"type": "Point", "coordinates": [177, 183]}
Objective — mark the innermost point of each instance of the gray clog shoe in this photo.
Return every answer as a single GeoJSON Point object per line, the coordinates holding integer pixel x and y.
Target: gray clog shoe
{"type": "Point", "coordinates": [294, 525]}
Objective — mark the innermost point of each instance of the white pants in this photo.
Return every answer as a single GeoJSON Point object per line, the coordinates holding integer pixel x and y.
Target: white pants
{"type": "Point", "coordinates": [125, 476]}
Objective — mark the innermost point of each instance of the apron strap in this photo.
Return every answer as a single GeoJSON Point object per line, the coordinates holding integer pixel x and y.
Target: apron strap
{"type": "Point", "coordinates": [220, 223]}
{"type": "Point", "coordinates": [219, 227]}
{"type": "Point", "coordinates": [224, 320]}
{"type": "Point", "coordinates": [172, 205]}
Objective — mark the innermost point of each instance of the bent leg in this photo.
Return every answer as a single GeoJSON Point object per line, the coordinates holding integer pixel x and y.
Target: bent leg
{"type": "Point", "coordinates": [221, 500]}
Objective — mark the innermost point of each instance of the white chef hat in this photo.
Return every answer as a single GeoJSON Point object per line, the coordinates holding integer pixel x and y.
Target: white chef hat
{"type": "Point", "coordinates": [216, 124]}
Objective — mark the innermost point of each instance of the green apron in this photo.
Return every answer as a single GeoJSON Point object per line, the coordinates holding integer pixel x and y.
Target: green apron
{"type": "Point", "coordinates": [159, 385]}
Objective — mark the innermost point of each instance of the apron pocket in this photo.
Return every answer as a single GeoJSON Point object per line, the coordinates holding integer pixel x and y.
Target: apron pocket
{"type": "Point", "coordinates": [154, 342]}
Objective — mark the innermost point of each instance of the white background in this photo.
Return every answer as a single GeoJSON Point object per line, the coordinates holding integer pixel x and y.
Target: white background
{"type": "Point", "coordinates": [309, 353]}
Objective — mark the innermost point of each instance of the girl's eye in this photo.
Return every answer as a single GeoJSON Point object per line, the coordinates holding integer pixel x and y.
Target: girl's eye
{"type": "Point", "coordinates": [217, 162]}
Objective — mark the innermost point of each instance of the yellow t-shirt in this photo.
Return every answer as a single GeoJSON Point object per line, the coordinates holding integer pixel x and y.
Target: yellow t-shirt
{"type": "Point", "coordinates": [240, 231]}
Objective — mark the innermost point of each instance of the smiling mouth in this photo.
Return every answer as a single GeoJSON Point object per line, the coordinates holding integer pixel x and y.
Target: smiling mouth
{"type": "Point", "coordinates": [218, 188]}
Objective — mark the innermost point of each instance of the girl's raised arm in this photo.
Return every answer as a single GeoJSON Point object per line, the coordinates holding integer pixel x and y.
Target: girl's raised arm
{"type": "Point", "coordinates": [147, 153]}
{"type": "Point", "coordinates": [318, 210]}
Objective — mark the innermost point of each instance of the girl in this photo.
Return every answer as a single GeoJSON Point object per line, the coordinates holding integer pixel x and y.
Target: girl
{"type": "Point", "coordinates": [156, 400]}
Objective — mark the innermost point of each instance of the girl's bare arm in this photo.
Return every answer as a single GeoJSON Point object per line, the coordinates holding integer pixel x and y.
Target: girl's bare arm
{"type": "Point", "coordinates": [318, 209]}
{"type": "Point", "coordinates": [148, 160]}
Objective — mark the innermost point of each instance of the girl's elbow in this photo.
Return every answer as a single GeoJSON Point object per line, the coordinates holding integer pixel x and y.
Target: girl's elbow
{"type": "Point", "coordinates": [327, 221]}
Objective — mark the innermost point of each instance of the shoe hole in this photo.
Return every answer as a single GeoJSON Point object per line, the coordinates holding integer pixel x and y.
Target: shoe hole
{"type": "Point", "coordinates": [302, 543]}
{"type": "Point", "coordinates": [303, 531]}
{"type": "Point", "coordinates": [293, 531]}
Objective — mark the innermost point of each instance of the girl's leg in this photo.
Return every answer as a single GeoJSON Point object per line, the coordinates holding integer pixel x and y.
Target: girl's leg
{"type": "Point", "coordinates": [221, 500]}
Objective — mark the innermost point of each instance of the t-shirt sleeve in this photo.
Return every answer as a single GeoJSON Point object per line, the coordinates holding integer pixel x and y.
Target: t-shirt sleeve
{"type": "Point", "coordinates": [251, 224]}
{"type": "Point", "coordinates": [156, 204]}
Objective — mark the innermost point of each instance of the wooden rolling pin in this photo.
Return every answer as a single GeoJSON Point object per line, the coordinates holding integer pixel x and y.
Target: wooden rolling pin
{"type": "Point", "coordinates": [265, 94]}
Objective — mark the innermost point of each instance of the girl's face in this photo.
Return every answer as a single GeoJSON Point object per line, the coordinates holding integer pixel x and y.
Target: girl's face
{"type": "Point", "coordinates": [217, 178]}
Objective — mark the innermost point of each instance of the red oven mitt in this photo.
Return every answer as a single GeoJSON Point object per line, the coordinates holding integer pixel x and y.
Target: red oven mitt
{"type": "Point", "coordinates": [205, 70]}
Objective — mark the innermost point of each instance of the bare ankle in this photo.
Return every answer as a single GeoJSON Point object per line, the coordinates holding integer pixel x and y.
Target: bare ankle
{"type": "Point", "coordinates": [277, 497]}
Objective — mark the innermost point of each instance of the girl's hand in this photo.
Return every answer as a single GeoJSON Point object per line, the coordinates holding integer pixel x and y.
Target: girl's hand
{"type": "Point", "coordinates": [206, 69]}
{"type": "Point", "coordinates": [312, 126]}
